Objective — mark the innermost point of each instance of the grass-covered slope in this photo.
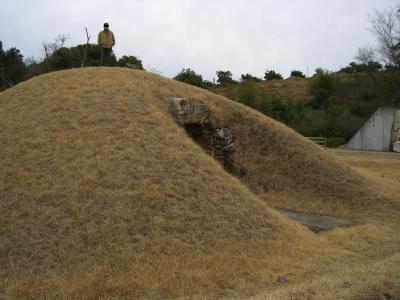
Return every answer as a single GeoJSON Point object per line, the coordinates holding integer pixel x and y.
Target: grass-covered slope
{"type": "Point", "coordinates": [103, 195]}
{"type": "Point", "coordinates": [98, 184]}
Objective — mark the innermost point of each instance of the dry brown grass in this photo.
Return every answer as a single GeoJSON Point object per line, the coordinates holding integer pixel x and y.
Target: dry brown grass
{"type": "Point", "coordinates": [373, 267]}
{"type": "Point", "coordinates": [103, 196]}
{"type": "Point", "coordinates": [293, 88]}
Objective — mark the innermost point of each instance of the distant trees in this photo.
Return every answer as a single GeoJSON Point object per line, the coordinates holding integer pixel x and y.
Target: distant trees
{"type": "Point", "coordinates": [88, 55]}
{"type": "Point", "coordinates": [396, 55]}
{"type": "Point", "coordinates": [48, 48]}
{"type": "Point", "coordinates": [277, 109]}
{"type": "Point", "coordinates": [249, 94]}
{"type": "Point", "coordinates": [129, 61]}
{"type": "Point", "coordinates": [59, 57]}
{"type": "Point", "coordinates": [366, 55]}
{"type": "Point", "coordinates": [354, 68]}
{"type": "Point", "coordinates": [249, 77]}
{"type": "Point", "coordinates": [56, 56]}
{"type": "Point", "coordinates": [322, 87]}
{"type": "Point", "coordinates": [225, 77]}
{"type": "Point", "coordinates": [385, 26]}
{"type": "Point", "coordinates": [272, 75]}
{"type": "Point", "coordinates": [12, 67]}
{"type": "Point", "coordinates": [296, 73]}
{"type": "Point", "coordinates": [33, 68]}
{"type": "Point", "coordinates": [190, 77]}
{"type": "Point", "coordinates": [366, 62]}
{"type": "Point", "coordinates": [75, 57]}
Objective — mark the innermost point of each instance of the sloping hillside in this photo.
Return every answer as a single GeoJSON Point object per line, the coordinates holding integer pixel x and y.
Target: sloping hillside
{"type": "Point", "coordinates": [332, 105]}
{"type": "Point", "coordinates": [292, 89]}
{"type": "Point", "coordinates": [103, 195]}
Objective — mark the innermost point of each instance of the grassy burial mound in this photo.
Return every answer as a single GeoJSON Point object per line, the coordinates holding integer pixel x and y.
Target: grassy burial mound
{"type": "Point", "coordinates": [99, 184]}
{"type": "Point", "coordinates": [103, 194]}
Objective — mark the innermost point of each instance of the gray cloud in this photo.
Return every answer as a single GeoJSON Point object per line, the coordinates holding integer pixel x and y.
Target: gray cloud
{"type": "Point", "coordinates": [242, 36]}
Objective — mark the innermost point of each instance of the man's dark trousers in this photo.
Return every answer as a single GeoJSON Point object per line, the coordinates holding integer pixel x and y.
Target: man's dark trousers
{"type": "Point", "coordinates": [106, 56]}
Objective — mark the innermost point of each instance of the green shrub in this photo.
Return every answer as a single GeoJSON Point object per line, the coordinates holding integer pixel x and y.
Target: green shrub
{"type": "Point", "coordinates": [273, 107]}
{"type": "Point", "coordinates": [354, 68]}
{"type": "Point", "coordinates": [62, 59]}
{"type": "Point", "coordinates": [131, 62]}
{"type": "Point", "coordinates": [249, 77]}
{"type": "Point", "coordinates": [225, 77]}
{"type": "Point", "coordinates": [12, 67]}
{"type": "Point", "coordinates": [190, 77]}
{"type": "Point", "coordinates": [272, 75]}
{"type": "Point", "coordinates": [322, 88]}
{"type": "Point", "coordinates": [86, 55]}
{"type": "Point", "coordinates": [336, 142]}
{"type": "Point", "coordinates": [208, 84]}
{"type": "Point", "coordinates": [296, 73]}
{"type": "Point", "coordinates": [294, 111]}
{"type": "Point", "coordinates": [247, 94]}
{"type": "Point", "coordinates": [360, 110]}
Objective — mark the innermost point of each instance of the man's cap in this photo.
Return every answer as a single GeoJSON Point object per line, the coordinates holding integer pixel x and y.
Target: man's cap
{"type": "Point", "coordinates": [106, 25]}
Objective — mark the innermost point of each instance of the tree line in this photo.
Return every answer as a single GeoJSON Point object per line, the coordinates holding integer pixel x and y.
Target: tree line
{"type": "Point", "coordinates": [56, 56]}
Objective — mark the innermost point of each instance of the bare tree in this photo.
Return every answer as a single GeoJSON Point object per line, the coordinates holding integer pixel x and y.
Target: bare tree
{"type": "Point", "coordinates": [82, 52]}
{"type": "Point", "coordinates": [48, 48]}
{"type": "Point", "coordinates": [30, 60]}
{"type": "Point", "coordinates": [60, 40]}
{"type": "Point", "coordinates": [385, 25]}
{"type": "Point", "coordinates": [47, 52]}
{"type": "Point", "coordinates": [366, 55]}
{"type": "Point", "coordinates": [87, 36]}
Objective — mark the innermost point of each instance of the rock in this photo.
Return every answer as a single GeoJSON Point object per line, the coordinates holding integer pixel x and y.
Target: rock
{"type": "Point", "coordinates": [188, 112]}
{"type": "Point", "coordinates": [347, 284]}
{"type": "Point", "coordinates": [281, 280]}
{"type": "Point", "coordinates": [216, 140]}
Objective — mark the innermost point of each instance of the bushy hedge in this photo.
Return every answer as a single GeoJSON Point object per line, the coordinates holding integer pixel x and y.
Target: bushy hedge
{"type": "Point", "coordinates": [190, 77]}
{"type": "Point", "coordinates": [296, 73]}
{"type": "Point", "coordinates": [272, 75]}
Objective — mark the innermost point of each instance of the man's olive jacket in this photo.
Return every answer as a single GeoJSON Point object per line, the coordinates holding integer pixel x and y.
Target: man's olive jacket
{"type": "Point", "coordinates": [106, 39]}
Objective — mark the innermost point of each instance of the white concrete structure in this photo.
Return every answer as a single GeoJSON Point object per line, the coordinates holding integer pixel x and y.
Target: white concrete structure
{"type": "Point", "coordinates": [378, 132]}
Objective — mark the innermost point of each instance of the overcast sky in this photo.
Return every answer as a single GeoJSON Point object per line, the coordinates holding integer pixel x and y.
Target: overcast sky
{"type": "Point", "coordinates": [204, 35]}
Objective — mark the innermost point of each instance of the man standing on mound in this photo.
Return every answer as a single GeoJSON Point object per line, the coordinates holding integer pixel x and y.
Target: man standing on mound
{"type": "Point", "coordinates": [106, 41]}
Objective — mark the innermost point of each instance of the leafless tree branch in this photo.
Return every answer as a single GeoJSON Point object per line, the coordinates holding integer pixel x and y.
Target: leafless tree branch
{"type": "Point", "coordinates": [385, 25]}
{"type": "Point", "coordinates": [366, 55]}
{"type": "Point", "coordinates": [87, 36]}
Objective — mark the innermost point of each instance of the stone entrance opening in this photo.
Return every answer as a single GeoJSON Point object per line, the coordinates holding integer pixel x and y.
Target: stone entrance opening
{"type": "Point", "coordinates": [217, 140]}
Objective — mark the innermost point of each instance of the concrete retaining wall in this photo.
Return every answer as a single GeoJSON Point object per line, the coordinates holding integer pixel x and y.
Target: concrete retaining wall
{"type": "Point", "coordinates": [376, 134]}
